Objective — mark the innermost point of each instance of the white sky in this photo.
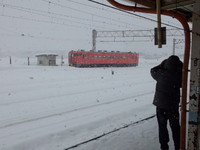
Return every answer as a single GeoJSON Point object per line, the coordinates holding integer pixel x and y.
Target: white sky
{"type": "Point", "coordinates": [35, 26]}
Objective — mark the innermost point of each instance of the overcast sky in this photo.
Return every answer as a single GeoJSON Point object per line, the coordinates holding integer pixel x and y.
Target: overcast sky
{"type": "Point", "coordinates": [29, 27]}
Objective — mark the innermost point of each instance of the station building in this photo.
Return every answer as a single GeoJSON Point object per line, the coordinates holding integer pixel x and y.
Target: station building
{"type": "Point", "coordinates": [46, 59]}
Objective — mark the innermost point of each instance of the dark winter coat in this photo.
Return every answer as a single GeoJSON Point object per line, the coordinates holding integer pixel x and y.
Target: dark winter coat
{"type": "Point", "coordinates": [168, 76]}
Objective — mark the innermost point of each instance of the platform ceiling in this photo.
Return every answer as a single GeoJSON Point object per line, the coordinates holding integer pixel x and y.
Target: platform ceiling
{"type": "Point", "coordinates": [184, 7]}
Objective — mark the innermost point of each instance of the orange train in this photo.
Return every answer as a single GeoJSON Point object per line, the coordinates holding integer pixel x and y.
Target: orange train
{"type": "Point", "coordinates": [102, 58]}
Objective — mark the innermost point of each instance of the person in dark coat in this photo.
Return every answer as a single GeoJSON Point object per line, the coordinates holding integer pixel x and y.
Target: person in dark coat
{"type": "Point", "coordinates": [166, 99]}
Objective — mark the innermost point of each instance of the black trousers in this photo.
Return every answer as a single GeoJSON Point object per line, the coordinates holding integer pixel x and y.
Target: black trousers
{"type": "Point", "coordinates": [173, 116]}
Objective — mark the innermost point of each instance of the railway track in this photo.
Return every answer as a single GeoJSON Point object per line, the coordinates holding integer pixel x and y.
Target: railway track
{"type": "Point", "coordinates": [64, 94]}
{"type": "Point", "coordinates": [71, 111]}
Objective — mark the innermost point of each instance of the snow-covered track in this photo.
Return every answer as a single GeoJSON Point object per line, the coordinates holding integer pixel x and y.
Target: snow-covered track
{"type": "Point", "coordinates": [49, 115]}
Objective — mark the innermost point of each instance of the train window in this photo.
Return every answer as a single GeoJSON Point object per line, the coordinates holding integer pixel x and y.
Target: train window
{"type": "Point", "coordinates": [76, 54]}
{"type": "Point", "coordinates": [124, 57]}
{"type": "Point", "coordinates": [100, 56]}
{"type": "Point", "coordinates": [104, 57]}
{"type": "Point", "coordinates": [112, 57]}
{"type": "Point", "coordinates": [85, 56]}
{"type": "Point", "coordinates": [133, 57]}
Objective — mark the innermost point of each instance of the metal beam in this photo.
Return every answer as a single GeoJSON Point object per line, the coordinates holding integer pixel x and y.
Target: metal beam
{"type": "Point", "coordinates": [135, 33]}
{"type": "Point", "coordinates": [194, 102]}
{"type": "Point", "coordinates": [129, 35]}
{"type": "Point", "coordinates": [158, 10]}
{"type": "Point", "coordinates": [177, 4]}
{"type": "Point", "coordinates": [146, 3]}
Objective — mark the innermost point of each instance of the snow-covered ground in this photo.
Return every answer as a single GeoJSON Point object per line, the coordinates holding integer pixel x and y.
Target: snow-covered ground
{"type": "Point", "coordinates": [53, 108]}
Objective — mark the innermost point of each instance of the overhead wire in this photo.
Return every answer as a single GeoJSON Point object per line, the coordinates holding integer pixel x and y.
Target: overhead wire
{"type": "Point", "coordinates": [110, 11]}
{"type": "Point", "coordinates": [40, 21]}
{"type": "Point", "coordinates": [114, 12]}
{"type": "Point", "coordinates": [134, 14]}
{"type": "Point", "coordinates": [195, 33]}
{"type": "Point", "coordinates": [47, 14]}
{"type": "Point", "coordinates": [43, 21]}
{"type": "Point", "coordinates": [86, 12]}
{"type": "Point", "coordinates": [38, 12]}
{"type": "Point", "coordinates": [140, 16]}
{"type": "Point", "coordinates": [28, 35]}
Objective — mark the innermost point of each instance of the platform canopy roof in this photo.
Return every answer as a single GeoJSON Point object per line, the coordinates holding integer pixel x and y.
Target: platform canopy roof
{"type": "Point", "coordinates": [184, 7]}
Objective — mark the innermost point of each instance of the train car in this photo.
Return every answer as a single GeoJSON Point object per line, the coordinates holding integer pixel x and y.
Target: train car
{"type": "Point", "coordinates": [99, 58]}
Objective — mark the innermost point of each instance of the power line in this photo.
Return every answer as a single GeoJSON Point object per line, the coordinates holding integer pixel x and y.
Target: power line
{"type": "Point", "coordinates": [39, 12]}
{"type": "Point", "coordinates": [27, 35]}
{"type": "Point", "coordinates": [85, 12]}
{"type": "Point", "coordinates": [195, 33]}
{"type": "Point", "coordinates": [107, 11]}
{"type": "Point", "coordinates": [47, 14]}
{"type": "Point", "coordinates": [44, 21]}
{"type": "Point", "coordinates": [140, 16]}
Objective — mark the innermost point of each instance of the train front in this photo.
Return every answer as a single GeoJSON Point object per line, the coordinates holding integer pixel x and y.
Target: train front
{"type": "Point", "coordinates": [75, 58]}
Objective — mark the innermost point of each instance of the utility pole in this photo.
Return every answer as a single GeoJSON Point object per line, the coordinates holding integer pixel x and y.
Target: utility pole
{"type": "Point", "coordinates": [174, 45]}
{"type": "Point", "coordinates": [175, 42]}
{"type": "Point", "coordinates": [158, 10]}
{"type": "Point", "coordinates": [94, 37]}
{"type": "Point", "coordinates": [28, 61]}
{"type": "Point", "coordinates": [10, 60]}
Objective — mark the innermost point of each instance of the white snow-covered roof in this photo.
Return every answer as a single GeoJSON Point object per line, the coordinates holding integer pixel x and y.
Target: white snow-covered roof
{"type": "Point", "coordinates": [46, 54]}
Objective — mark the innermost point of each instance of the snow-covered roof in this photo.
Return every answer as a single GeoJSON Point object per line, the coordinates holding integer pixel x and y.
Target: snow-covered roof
{"type": "Point", "coordinates": [46, 54]}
